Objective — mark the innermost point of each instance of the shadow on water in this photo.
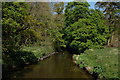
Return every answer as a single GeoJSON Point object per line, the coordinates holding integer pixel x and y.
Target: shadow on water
{"type": "Point", "coordinates": [23, 57]}
{"type": "Point", "coordinates": [16, 62]}
{"type": "Point", "coordinates": [57, 66]}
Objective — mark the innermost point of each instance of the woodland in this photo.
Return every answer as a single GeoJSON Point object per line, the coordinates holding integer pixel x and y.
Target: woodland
{"type": "Point", "coordinates": [31, 30]}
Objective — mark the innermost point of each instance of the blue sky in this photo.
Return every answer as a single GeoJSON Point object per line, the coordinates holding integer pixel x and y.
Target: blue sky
{"type": "Point", "coordinates": [92, 5]}
{"type": "Point", "coordinates": [73, 0]}
{"type": "Point", "coordinates": [91, 2]}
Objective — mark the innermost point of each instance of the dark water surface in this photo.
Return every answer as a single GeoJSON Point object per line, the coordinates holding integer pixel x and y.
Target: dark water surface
{"type": "Point", "coordinates": [56, 66]}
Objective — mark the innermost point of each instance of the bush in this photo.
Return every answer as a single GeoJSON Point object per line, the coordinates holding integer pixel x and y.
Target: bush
{"type": "Point", "coordinates": [21, 58]}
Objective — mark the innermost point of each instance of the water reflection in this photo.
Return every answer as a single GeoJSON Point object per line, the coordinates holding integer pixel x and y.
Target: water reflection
{"type": "Point", "coordinates": [57, 66]}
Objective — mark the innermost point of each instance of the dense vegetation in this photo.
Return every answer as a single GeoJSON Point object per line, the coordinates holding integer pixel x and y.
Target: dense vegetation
{"type": "Point", "coordinates": [85, 28]}
{"type": "Point", "coordinates": [104, 62]}
{"type": "Point", "coordinates": [32, 30]}
{"type": "Point", "coordinates": [25, 33]}
{"type": "Point", "coordinates": [111, 12]}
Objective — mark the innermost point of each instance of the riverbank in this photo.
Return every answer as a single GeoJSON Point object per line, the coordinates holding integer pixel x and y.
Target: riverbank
{"type": "Point", "coordinates": [102, 63]}
{"type": "Point", "coordinates": [24, 57]}
{"type": "Point", "coordinates": [59, 65]}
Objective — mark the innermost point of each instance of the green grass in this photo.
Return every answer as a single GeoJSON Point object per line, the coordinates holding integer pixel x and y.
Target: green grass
{"type": "Point", "coordinates": [30, 55]}
{"type": "Point", "coordinates": [104, 62]}
{"type": "Point", "coordinates": [39, 51]}
{"type": "Point", "coordinates": [46, 47]}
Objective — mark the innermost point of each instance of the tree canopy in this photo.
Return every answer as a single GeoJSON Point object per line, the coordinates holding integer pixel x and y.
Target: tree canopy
{"type": "Point", "coordinates": [85, 28]}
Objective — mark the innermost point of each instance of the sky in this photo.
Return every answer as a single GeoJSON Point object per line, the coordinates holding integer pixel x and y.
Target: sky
{"type": "Point", "coordinates": [92, 5]}
{"type": "Point", "coordinates": [91, 2]}
{"type": "Point", "coordinates": [73, 0]}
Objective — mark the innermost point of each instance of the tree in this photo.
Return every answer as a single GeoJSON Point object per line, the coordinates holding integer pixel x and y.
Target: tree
{"type": "Point", "coordinates": [18, 26]}
{"type": "Point", "coordinates": [58, 7]}
{"type": "Point", "coordinates": [41, 11]}
{"type": "Point", "coordinates": [111, 10]}
{"type": "Point", "coordinates": [86, 30]}
{"type": "Point", "coordinates": [58, 24]}
{"type": "Point", "coordinates": [59, 17]}
{"type": "Point", "coordinates": [74, 11]}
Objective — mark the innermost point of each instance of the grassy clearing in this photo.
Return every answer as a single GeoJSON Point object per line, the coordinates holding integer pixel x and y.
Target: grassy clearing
{"type": "Point", "coordinates": [103, 62]}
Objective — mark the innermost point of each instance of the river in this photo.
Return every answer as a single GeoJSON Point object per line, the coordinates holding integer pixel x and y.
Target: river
{"type": "Point", "coordinates": [56, 66]}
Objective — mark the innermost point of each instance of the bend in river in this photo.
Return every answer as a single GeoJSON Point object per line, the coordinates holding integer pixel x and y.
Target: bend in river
{"type": "Point", "coordinates": [56, 66]}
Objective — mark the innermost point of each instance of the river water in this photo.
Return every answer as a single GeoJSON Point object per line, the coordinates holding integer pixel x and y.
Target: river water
{"type": "Point", "coordinates": [56, 66]}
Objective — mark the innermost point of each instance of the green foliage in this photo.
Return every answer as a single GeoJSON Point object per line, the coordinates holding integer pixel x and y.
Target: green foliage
{"type": "Point", "coordinates": [56, 38]}
{"type": "Point", "coordinates": [12, 21]}
{"type": "Point", "coordinates": [111, 11]}
{"type": "Point", "coordinates": [26, 55]}
{"type": "Point", "coordinates": [20, 58]}
{"type": "Point", "coordinates": [59, 7]}
{"type": "Point", "coordinates": [38, 51]}
{"type": "Point", "coordinates": [103, 62]}
{"type": "Point", "coordinates": [57, 25]}
{"type": "Point", "coordinates": [87, 30]}
{"type": "Point", "coordinates": [41, 11]}
{"type": "Point", "coordinates": [18, 26]}
{"type": "Point", "coordinates": [74, 11]}
{"type": "Point", "coordinates": [59, 42]}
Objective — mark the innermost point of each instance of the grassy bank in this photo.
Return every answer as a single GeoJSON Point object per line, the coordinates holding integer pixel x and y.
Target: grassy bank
{"type": "Point", "coordinates": [29, 55]}
{"type": "Point", "coordinates": [24, 57]}
{"type": "Point", "coordinates": [39, 51]}
{"type": "Point", "coordinates": [103, 62]}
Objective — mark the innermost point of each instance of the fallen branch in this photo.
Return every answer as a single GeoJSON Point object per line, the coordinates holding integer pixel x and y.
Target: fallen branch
{"type": "Point", "coordinates": [46, 56]}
